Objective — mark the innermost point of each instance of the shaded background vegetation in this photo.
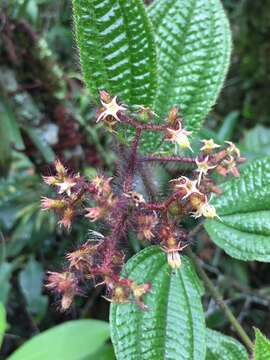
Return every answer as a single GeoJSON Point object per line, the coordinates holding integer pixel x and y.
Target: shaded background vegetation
{"type": "Point", "coordinates": [46, 113]}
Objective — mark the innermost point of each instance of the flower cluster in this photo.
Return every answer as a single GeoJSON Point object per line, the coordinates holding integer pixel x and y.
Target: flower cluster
{"type": "Point", "coordinates": [117, 203]}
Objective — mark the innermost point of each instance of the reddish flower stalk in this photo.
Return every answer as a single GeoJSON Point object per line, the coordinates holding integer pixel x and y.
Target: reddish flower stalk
{"type": "Point", "coordinates": [180, 159]}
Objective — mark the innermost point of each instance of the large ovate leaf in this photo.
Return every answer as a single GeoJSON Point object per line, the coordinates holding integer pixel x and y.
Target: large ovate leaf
{"type": "Point", "coordinates": [262, 346]}
{"type": "Point", "coordinates": [173, 326]}
{"type": "Point", "coordinates": [244, 208]}
{"type": "Point", "coordinates": [73, 340]}
{"type": "Point", "coordinates": [193, 48]}
{"type": "Point", "coordinates": [222, 347]}
{"type": "Point", "coordinates": [117, 50]}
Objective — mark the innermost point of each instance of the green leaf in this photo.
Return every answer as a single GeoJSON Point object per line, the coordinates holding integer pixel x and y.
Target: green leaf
{"type": "Point", "coordinates": [226, 130]}
{"type": "Point", "coordinates": [72, 340]}
{"type": "Point", "coordinates": [193, 47]}
{"type": "Point", "coordinates": [244, 207]}
{"type": "Point", "coordinates": [222, 347]}
{"type": "Point", "coordinates": [3, 322]}
{"type": "Point", "coordinates": [173, 327]}
{"type": "Point", "coordinates": [104, 353]}
{"type": "Point", "coordinates": [262, 346]}
{"type": "Point", "coordinates": [5, 274]}
{"type": "Point", "coordinates": [117, 50]}
{"type": "Point", "coordinates": [31, 282]}
{"type": "Point", "coordinates": [257, 141]}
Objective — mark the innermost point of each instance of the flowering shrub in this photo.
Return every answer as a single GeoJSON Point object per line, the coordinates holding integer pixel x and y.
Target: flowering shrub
{"type": "Point", "coordinates": [154, 93]}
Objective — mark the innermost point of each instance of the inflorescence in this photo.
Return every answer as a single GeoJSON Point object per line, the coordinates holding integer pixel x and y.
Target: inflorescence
{"type": "Point", "coordinates": [121, 208]}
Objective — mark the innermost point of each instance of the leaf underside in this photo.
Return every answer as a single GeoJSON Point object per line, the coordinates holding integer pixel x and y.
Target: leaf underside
{"type": "Point", "coordinates": [222, 347]}
{"type": "Point", "coordinates": [193, 48]}
{"type": "Point", "coordinates": [117, 50]}
{"type": "Point", "coordinates": [173, 327]}
{"type": "Point", "coordinates": [244, 208]}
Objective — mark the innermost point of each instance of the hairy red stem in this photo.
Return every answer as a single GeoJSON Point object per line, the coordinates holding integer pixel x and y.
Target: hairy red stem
{"type": "Point", "coordinates": [181, 159]}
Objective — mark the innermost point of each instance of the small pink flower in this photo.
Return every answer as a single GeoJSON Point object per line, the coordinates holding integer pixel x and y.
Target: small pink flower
{"type": "Point", "coordinates": [47, 203]}
{"type": "Point", "coordinates": [209, 146]}
{"type": "Point", "coordinates": [203, 167]}
{"type": "Point", "coordinates": [67, 218]}
{"type": "Point", "coordinates": [179, 137]}
{"type": "Point", "coordinates": [189, 186]}
{"type": "Point", "coordinates": [111, 109]}
{"type": "Point", "coordinates": [49, 180]}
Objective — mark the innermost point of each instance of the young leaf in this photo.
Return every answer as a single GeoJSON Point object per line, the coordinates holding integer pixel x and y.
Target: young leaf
{"type": "Point", "coordinates": [193, 47]}
{"type": "Point", "coordinates": [222, 347]}
{"type": "Point", "coordinates": [262, 346]}
{"type": "Point", "coordinates": [173, 326]}
{"type": "Point", "coordinates": [72, 340]}
{"type": "Point", "coordinates": [117, 50]}
{"type": "Point", "coordinates": [244, 208]}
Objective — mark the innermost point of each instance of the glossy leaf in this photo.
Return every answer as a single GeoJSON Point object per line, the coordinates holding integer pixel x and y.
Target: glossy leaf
{"type": "Point", "coordinates": [222, 347]}
{"type": "Point", "coordinates": [173, 326]}
{"type": "Point", "coordinates": [3, 322]}
{"type": "Point", "coordinates": [72, 340]}
{"type": "Point", "coordinates": [193, 48]}
{"type": "Point", "coordinates": [117, 49]}
{"type": "Point", "coordinates": [262, 346]}
{"type": "Point", "coordinates": [104, 353]}
{"type": "Point", "coordinates": [244, 207]}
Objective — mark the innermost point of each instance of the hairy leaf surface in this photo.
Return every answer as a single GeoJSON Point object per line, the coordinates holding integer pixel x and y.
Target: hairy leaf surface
{"type": "Point", "coordinates": [193, 47]}
{"type": "Point", "coordinates": [244, 207]}
{"type": "Point", "coordinates": [117, 50]}
{"type": "Point", "coordinates": [222, 347]}
{"type": "Point", "coordinates": [173, 327]}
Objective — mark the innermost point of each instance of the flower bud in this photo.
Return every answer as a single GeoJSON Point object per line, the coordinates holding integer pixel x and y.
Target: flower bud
{"type": "Point", "coordinates": [172, 116]}
{"type": "Point", "coordinates": [174, 259]}
{"type": "Point", "coordinates": [67, 218]}
{"type": "Point", "coordinates": [48, 204]}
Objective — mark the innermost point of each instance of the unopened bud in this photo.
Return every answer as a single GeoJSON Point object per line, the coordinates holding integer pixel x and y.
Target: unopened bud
{"type": "Point", "coordinates": [174, 259]}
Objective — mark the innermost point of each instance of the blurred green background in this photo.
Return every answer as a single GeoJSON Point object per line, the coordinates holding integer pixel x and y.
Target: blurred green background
{"type": "Point", "coordinates": [46, 113]}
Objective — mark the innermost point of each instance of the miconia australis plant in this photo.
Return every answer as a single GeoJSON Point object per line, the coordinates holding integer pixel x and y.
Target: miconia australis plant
{"type": "Point", "coordinates": [155, 73]}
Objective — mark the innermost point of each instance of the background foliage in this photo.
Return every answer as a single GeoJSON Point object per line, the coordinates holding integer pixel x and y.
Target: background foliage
{"type": "Point", "coordinates": [45, 112]}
